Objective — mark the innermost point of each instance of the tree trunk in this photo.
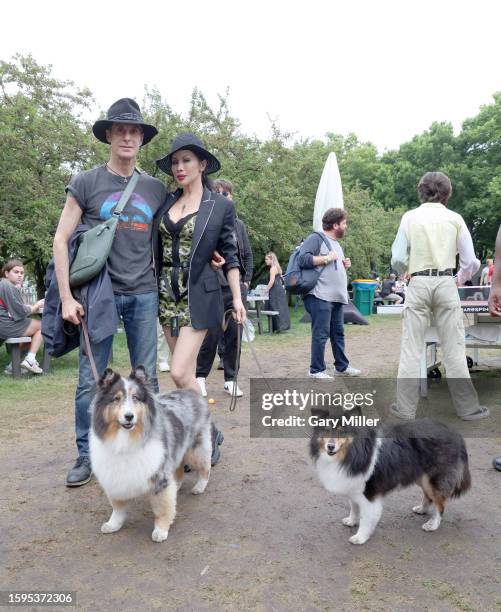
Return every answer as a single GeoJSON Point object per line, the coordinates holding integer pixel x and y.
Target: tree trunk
{"type": "Point", "coordinates": [39, 269]}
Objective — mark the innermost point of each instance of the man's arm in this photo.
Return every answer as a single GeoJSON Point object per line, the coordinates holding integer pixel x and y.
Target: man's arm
{"type": "Point", "coordinates": [495, 294]}
{"type": "Point", "coordinates": [400, 249]}
{"type": "Point", "coordinates": [308, 250]}
{"type": "Point", "coordinates": [468, 263]}
{"type": "Point", "coordinates": [70, 218]}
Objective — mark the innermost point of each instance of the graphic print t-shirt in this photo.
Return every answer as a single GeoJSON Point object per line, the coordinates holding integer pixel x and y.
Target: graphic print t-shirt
{"type": "Point", "coordinates": [130, 263]}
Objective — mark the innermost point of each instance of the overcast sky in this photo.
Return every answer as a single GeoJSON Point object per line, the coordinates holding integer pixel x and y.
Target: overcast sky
{"type": "Point", "coordinates": [383, 69]}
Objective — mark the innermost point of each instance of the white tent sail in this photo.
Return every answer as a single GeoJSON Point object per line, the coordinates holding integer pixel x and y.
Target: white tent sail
{"type": "Point", "coordinates": [329, 192]}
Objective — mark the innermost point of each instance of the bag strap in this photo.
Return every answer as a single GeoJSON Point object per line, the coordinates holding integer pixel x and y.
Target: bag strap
{"type": "Point", "coordinates": [324, 239]}
{"type": "Point", "coordinates": [329, 248]}
{"type": "Point", "coordinates": [127, 192]}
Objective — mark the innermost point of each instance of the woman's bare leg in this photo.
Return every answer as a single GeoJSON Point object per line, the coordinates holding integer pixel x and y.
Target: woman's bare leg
{"type": "Point", "coordinates": [35, 332]}
{"type": "Point", "coordinates": [184, 351]}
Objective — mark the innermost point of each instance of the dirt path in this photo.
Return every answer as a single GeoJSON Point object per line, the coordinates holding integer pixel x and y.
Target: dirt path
{"type": "Point", "coordinates": [265, 535]}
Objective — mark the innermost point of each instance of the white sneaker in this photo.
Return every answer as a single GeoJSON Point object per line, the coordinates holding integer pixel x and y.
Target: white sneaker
{"type": "Point", "coordinates": [201, 384]}
{"type": "Point", "coordinates": [8, 370]}
{"type": "Point", "coordinates": [320, 375]}
{"type": "Point", "coordinates": [32, 366]}
{"type": "Point", "coordinates": [163, 366]}
{"type": "Point", "coordinates": [350, 372]}
{"type": "Point", "coordinates": [229, 387]}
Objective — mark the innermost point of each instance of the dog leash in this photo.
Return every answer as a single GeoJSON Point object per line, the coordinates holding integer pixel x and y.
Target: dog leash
{"type": "Point", "coordinates": [227, 316]}
{"type": "Point", "coordinates": [226, 321]}
{"type": "Point", "coordinates": [88, 349]}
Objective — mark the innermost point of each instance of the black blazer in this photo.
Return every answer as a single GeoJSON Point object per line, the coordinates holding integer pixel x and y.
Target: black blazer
{"type": "Point", "coordinates": [214, 230]}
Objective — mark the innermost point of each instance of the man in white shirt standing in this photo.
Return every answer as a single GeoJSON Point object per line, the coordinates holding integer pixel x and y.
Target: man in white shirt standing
{"type": "Point", "coordinates": [428, 239]}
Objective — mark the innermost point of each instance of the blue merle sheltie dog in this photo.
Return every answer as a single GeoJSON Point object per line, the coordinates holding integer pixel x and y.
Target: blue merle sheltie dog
{"type": "Point", "coordinates": [364, 464]}
{"type": "Point", "coordinates": [140, 442]}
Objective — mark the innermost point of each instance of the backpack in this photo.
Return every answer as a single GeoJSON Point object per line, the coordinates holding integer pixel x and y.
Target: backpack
{"type": "Point", "coordinates": [301, 281]}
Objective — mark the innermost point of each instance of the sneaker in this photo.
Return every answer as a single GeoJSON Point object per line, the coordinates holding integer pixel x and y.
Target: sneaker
{"type": "Point", "coordinates": [163, 366]}
{"type": "Point", "coordinates": [400, 415]}
{"type": "Point", "coordinates": [217, 440]}
{"type": "Point", "coordinates": [32, 366]}
{"type": "Point", "coordinates": [229, 387]}
{"type": "Point", "coordinates": [8, 370]}
{"type": "Point", "coordinates": [482, 413]}
{"type": "Point", "coordinates": [201, 384]}
{"type": "Point", "coordinates": [350, 372]}
{"type": "Point", "coordinates": [320, 375]}
{"type": "Point", "coordinates": [80, 473]}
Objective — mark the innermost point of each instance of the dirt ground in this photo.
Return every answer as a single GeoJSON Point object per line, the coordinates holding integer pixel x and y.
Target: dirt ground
{"type": "Point", "coordinates": [264, 536]}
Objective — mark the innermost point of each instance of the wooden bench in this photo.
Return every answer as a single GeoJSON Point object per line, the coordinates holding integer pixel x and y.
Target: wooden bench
{"type": "Point", "coordinates": [270, 314]}
{"type": "Point", "coordinates": [14, 348]}
{"type": "Point", "coordinates": [382, 301]}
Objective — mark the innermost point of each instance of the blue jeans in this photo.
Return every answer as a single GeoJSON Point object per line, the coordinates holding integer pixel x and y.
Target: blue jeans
{"type": "Point", "coordinates": [139, 316]}
{"type": "Point", "coordinates": [327, 321]}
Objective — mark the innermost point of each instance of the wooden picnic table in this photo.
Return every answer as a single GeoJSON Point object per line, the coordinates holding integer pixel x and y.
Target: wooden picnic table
{"type": "Point", "coordinates": [258, 300]}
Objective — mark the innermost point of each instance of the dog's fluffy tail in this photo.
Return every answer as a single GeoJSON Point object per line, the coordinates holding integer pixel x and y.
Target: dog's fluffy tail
{"type": "Point", "coordinates": [464, 480]}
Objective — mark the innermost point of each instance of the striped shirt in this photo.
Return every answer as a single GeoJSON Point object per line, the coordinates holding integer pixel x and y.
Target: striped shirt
{"type": "Point", "coordinates": [431, 236]}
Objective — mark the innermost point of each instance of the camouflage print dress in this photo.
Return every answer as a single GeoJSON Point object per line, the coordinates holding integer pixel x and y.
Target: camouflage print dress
{"type": "Point", "coordinates": [173, 291]}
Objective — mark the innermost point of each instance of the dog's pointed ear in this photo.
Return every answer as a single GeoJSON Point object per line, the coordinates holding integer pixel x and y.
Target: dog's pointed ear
{"type": "Point", "coordinates": [108, 377]}
{"type": "Point", "coordinates": [140, 375]}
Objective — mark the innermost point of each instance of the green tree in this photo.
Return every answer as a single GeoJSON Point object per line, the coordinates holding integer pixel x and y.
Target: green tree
{"type": "Point", "coordinates": [480, 185]}
{"type": "Point", "coordinates": [371, 231]}
{"type": "Point", "coordinates": [43, 140]}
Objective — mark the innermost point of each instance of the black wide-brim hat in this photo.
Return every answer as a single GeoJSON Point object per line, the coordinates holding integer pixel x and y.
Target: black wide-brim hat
{"type": "Point", "coordinates": [124, 110]}
{"type": "Point", "coordinates": [192, 143]}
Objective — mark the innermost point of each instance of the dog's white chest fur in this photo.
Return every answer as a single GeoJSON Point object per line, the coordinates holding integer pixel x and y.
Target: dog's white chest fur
{"type": "Point", "coordinates": [336, 480]}
{"type": "Point", "coordinates": [123, 471]}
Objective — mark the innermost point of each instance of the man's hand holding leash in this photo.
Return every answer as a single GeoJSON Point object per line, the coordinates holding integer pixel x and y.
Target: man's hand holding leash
{"type": "Point", "coordinates": [239, 312]}
{"type": "Point", "coordinates": [72, 310]}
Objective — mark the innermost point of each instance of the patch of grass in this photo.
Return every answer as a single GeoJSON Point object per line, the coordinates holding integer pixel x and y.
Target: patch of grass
{"type": "Point", "coordinates": [300, 330]}
{"type": "Point", "coordinates": [447, 592]}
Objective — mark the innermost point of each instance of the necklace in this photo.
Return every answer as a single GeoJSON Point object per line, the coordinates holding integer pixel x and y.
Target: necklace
{"type": "Point", "coordinates": [125, 178]}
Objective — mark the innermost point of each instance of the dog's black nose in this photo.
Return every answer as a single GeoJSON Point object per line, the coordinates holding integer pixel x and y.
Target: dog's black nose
{"type": "Point", "coordinates": [331, 448]}
{"type": "Point", "coordinates": [128, 417]}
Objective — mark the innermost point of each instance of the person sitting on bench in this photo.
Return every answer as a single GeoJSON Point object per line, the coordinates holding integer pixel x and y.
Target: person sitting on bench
{"type": "Point", "coordinates": [389, 290]}
{"type": "Point", "coordinates": [15, 314]}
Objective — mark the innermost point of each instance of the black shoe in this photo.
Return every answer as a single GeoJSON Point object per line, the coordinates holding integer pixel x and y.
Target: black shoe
{"type": "Point", "coordinates": [217, 440]}
{"type": "Point", "coordinates": [220, 365]}
{"type": "Point", "coordinates": [496, 462]}
{"type": "Point", "coordinates": [80, 473]}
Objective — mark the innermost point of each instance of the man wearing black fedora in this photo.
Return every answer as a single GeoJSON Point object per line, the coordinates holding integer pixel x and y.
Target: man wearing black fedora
{"type": "Point", "coordinates": [91, 198]}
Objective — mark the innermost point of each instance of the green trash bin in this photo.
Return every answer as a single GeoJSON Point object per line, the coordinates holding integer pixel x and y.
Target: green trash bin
{"type": "Point", "coordinates": [363, 295]}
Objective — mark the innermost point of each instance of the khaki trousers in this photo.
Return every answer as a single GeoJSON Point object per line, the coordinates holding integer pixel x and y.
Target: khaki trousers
{"type": "Point", "coordinates": [437, 296]}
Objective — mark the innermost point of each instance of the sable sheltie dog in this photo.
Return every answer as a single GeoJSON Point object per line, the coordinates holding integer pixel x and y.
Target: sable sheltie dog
{"type": "Point", "coordinates": [364, 464]}
{"type": "Point", "coordinates": [140, 442]}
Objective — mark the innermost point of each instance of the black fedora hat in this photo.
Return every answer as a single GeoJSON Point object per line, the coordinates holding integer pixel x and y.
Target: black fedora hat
{"type": "Point", "coordinates": [124, 110]}
{"type": "Point", "coordinates": [192, 143]}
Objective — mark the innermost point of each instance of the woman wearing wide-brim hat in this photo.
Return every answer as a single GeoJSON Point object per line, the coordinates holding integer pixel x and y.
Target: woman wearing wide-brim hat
{"type": "Point", "coordinates": [193, 224]}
